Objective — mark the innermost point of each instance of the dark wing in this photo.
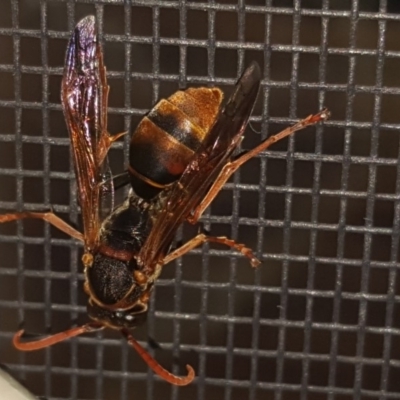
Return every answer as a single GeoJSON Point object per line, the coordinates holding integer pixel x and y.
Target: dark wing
{"type": "Point", "coordinates": [84, 96]}
{"type": "Point", "coordinates": [213, 154]}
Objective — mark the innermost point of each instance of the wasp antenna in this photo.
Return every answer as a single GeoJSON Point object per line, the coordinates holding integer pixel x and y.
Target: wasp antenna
{"type": "Point", "coordinates": [155, 366]}
{"type": "Point", "coordinates": [53, 339]}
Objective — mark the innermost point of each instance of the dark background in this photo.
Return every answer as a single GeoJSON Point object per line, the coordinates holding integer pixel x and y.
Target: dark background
{"type": "Point", "coordinates": [320, 319]}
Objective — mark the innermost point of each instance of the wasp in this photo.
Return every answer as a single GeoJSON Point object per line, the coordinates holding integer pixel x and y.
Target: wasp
{"type": "Point", "coordinates": [181, 155]}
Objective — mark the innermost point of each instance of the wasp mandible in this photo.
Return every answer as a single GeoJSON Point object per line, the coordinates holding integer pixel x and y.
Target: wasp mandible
{"type": "Point", "coordinates": [181, 155]}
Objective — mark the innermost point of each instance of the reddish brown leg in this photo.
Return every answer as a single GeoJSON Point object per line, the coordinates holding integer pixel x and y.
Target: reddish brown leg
{"type": "Point", "coordinates": [232, 166]}
{"type": "Point", "coordinates": [201, 238]}
{"type": "Point", "coordinates": [53, 339]}
{"type": "Point", "coordinates": [106, 142]}
{"type": "Point", "coordinates": [50, 217]}
{"type": "Point", "coordinates": [155, 366]}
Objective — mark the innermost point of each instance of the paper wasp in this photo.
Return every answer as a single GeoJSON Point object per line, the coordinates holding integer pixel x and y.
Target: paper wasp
{"type": "Point", "coordinates": [181, 155]}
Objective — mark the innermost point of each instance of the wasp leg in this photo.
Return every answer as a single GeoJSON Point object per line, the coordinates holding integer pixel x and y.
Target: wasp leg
{"type": "Point", "coordinates": [53, 339]}
{"type": "Point", "coordinates": [121, 180]}
{"type": "Point", "coordinates": [202, 238]}
{"type": "Point", "coordinates": [106, 141]}
{"type": "Point", "coordinates": [50, 217]}
{"type": "Point", "coordinates": [232, 166]}
{"type": "Point", "coordinates": [155, 366]}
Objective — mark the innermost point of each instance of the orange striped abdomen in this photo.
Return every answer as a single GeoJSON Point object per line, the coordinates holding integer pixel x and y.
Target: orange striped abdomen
{"type": "Point", "coordinates": [167, 137]}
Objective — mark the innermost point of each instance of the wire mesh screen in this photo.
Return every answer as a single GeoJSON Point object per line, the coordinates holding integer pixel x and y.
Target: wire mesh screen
{"type": "Point", "coordinates": [320, 319]}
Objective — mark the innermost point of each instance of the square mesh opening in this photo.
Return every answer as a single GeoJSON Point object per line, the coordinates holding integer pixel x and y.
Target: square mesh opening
{"type": "Point", "coordinates": [320, 319]}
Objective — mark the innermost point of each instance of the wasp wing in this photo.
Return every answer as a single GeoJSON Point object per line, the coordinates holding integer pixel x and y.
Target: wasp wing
{"type": "Point", "coordinates": [215, 151]}
{"type": "Point", "coordinates": [84, 97]}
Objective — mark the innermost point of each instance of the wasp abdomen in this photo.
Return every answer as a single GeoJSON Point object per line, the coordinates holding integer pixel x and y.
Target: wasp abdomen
{"type": "Point", "coordinates": [166, 139]}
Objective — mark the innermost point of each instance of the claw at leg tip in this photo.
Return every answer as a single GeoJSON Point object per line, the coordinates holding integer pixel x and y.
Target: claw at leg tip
{"type": "Point", "coordinates": [16, 337]}
{"type": "Point", "coordinates": [255, 262]}
{"type": "Point", "coordinates": [19, 333]}
{"type": "Point", "coordinates": [191, 375]}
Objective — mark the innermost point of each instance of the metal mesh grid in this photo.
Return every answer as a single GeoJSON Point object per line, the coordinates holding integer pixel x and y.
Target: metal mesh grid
{"type": "Point", "coordinates": [320, 318]}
